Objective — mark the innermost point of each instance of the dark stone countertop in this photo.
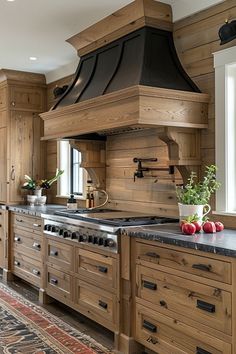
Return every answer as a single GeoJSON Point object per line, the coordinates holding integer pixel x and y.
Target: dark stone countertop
{"type": "Point", "coordinates": [223, 243]}
{"type": "Point", "coordinates": [35, 210]}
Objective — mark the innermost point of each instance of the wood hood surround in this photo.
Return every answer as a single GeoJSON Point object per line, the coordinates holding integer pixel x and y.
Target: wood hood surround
{"type": "Point", "coordinates": [179, 114]}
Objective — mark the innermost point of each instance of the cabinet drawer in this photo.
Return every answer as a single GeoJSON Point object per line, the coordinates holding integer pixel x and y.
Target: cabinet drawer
{"type": "Point", "coordinates": [27, 243]}
{"type": "Point", "coordinates": [164, 335]}
{"type": "Point", "coordinates": [97, 268]}
{"type": "Point", "coordinates": [200, 303]}
{"type": "Point", "coordinates": [28, 98]}
{"type": "Point", "coordinates": [205, 267]}
{"type": "Point", "coordinates": [100, 304]}
{"type": "Point", "coordinates": [59, 283]}
{"type": "Point", "coordinates": [3, 97]}
{"type": "Point", "coordinates": [59, 254]}
{"type": "Point", "coordinates": [27, 268]}
{"type": "Point", "coordinates": [27, 222]}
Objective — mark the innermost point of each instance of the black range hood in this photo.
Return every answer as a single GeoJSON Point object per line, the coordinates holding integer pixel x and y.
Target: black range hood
{"type": "Point", "coordinates": [144, 57]}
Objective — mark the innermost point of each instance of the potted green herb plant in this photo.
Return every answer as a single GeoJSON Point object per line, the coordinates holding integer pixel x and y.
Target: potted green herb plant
{"type": "Point", "coordinates": [194, 197]}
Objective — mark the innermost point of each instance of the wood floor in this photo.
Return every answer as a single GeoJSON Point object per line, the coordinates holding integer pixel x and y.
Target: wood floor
{"type": "Point", "coordinates": [73, 318]}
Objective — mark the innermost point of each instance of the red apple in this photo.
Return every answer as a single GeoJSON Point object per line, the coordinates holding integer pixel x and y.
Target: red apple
{"type": "Point", "coordinates": [198, 225]}
{"type": "Point", "coordinates": [188, 228]}
{"type": "Point", "coordinates": [181, 223]}
{"type": "Point", "coordinates": [209, 227]}
{"type": "Point", "coordinates": [219, 226]}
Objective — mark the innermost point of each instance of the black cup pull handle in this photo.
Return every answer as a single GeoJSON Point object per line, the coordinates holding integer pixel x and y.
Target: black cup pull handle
{"type": "Point", "coordinates": [102, 304]}
{"type": "Point", "coordinates": [149, 326]}
{"type": "Point", "coordinates": [201, 351]}
{"type": "Point", "coordinates": [149, 285]}
{"type": "Point", "coordinates": [53, 281]}
{"type": "Point", "coordinates": [152, 254]}
{"type": "Point", "coordinates": [102, 269]}
{"type": "Point", "coordinates": [53, 253]}
{"type": "Point", "coordinates": [205, 267]}
{"type": "Point", "coordinates": [205, 306]}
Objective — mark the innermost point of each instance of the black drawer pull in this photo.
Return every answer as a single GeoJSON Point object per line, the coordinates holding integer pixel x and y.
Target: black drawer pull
{"type": "Point", "coordinates": [53, 253]}
{"type": "Point", "coordinates": [17, 239]}
{"type": "Point", "coordinates": [206, 306]}
{"type": "Point", "coordinates": [152, 254]}
{"type": "Point", "coordinates": [102, 304]}
{"type": "Point", "coordinates": [149, 285]}
{"type": "Point", "coordinates": [53, 281]}
{"type": "Point", "coordinates": [201, 351]}
{"type": "Point", "coordinates": [36, 245]}
{"type": "Point", "coordinates": [205, 267]}
{"type": "Point", "coordinates": [35, 271]}
{"type": "Point", "coordinates": [19, 220]}
{"type": "Point", "coordinates": [17, 263]}
{"type": "Point", "coordinates": [163, 303]}
{"type": "Point", "coordinates": [102, 269]}
{"type": "Point", "coordinates": [149, 326]}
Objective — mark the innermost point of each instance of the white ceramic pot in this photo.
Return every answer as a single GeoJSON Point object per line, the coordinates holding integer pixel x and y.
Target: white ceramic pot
{"type": "Point", "coordinates": [189, 210]}
{"type": "Point", "coordinates": [38, 192]}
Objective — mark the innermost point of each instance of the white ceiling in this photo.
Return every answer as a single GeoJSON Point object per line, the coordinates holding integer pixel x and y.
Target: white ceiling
{"type": "Point", "coordinates": [40, 29]}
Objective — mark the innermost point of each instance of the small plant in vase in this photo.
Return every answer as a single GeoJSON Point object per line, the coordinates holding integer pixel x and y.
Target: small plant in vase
{"type": "Point", "coordinates": [37, 185]}
{"type": "Point", "coordinates": [194, 197]}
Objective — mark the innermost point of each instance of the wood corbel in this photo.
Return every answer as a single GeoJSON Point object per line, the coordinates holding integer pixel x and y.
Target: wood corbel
{"type": "Point", "coordinates": [93, 159]}
{"type": "Point", "coordinates": [183, 149]}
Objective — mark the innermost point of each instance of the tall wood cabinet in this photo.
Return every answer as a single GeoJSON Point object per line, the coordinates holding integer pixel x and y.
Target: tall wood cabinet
{"type": "Point", "coordinates": [22, 98]}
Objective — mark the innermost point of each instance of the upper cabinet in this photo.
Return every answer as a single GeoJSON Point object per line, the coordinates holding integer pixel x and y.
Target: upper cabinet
{"type": "Point", "coordinates": [22, 98]}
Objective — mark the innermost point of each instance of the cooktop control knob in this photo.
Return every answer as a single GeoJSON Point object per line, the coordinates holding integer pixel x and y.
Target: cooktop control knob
{"type": "Point", "coordinates": [95, 240]}
{"type": "Point", "coordinates": [100, 241]}
{"type": "Point", "coordinates": [110, 243]}
{"type": "Point", "coordinates": [53, 229]}
{"type": "Point", "coordinates": [65, 234]}
{"type": "Point", "coordinates": [46, 227]}
{"type": "Point", "coordinates": [90, 239]}
{"type": "Point", "coordinates": [61, 231]}
{"type": "Point", "coordinates": [74, 235]}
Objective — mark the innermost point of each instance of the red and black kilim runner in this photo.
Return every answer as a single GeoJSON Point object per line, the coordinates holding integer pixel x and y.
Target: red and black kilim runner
{"type": "Point", "coordinates": [30, 329]}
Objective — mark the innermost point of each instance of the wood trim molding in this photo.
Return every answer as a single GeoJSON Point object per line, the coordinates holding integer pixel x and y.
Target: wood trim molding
{"type": "Point", "coordinates": [130, 18]}
{"type": "Point", "coordinates": [131, 108]}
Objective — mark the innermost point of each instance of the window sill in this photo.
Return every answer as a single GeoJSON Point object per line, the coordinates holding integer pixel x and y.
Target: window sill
{"type": "Point", "coordinates": [224, 213]}
{"type": "Point", "coordinates": [68, 196]}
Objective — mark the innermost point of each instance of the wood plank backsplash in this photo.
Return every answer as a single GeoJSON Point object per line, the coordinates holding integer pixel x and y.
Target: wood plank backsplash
{"type": "Point", "coordinates": [196, 37]}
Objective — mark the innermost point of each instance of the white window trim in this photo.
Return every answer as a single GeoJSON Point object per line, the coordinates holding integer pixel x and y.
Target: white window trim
{"type": "Point", "coordinates": [224, 62]}
{"type": "Point", "coordinates": [65, 178]}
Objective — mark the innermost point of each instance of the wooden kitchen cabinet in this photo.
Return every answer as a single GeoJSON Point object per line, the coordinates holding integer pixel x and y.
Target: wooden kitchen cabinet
{"type": "Point", "coordinates": [22, 98]}
{"type": "Point", "coordinates": [26, 244]}
{"type": "Point", "coordinates": [183, 300]}
{"type": "Point", "coordinates": [84, 279]}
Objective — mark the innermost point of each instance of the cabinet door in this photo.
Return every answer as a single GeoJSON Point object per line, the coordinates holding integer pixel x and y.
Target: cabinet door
{"type": "Point", "coordinates": [26, 151]}
{"type": "Point", "coordinates": [26, 98]}
{"type": "Point", "coordinates": [3, 164]}
{"type": "Point", "coordinates": [21, 152]}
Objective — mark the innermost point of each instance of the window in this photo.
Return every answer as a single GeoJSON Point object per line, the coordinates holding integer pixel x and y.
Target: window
{"type": "Point", "coordinates": [225, 92]}
{"type": "Point", "coordinates": [72, 180]}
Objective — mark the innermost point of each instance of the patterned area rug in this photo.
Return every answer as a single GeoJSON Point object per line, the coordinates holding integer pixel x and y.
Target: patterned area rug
{"type": "Point", "coordinates": [29, 329]}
